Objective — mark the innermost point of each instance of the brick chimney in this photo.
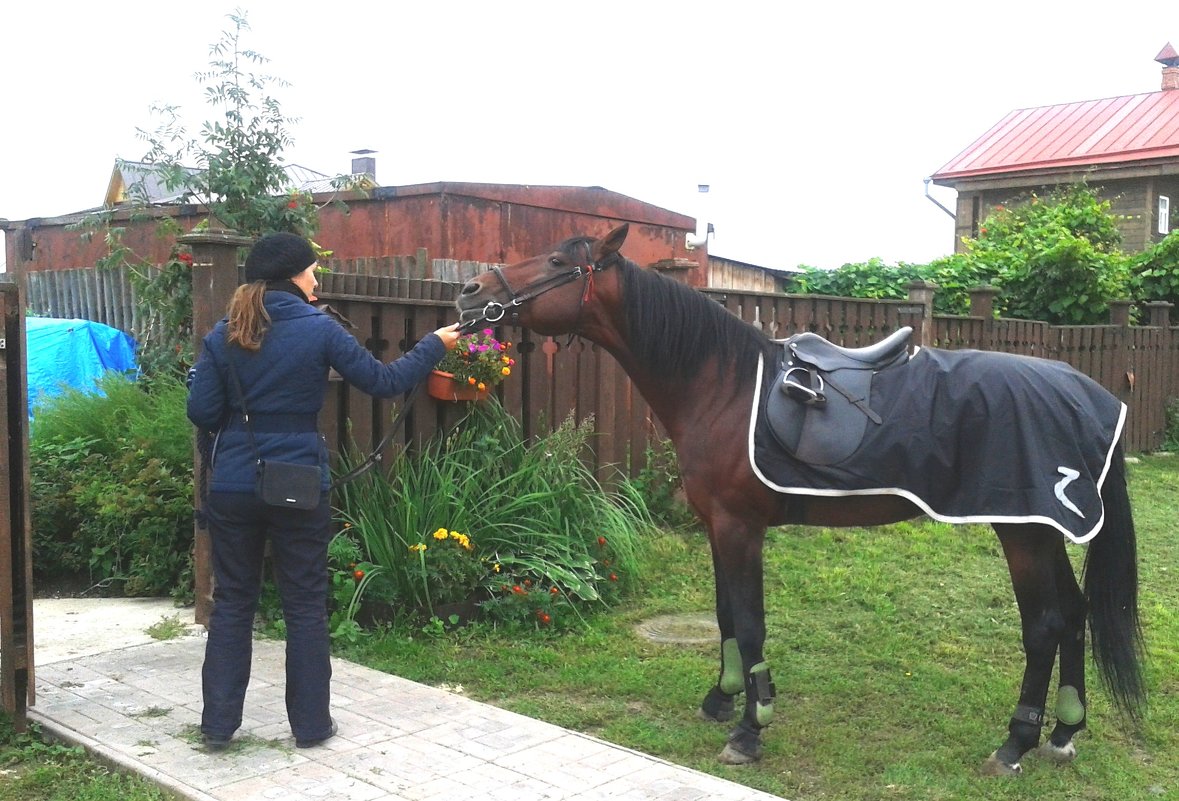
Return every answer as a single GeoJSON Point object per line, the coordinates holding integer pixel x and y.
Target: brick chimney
{"type": "Point", "coordinates": [365, 164]}
{"type": "Point", "coordinates": [1170, 61]}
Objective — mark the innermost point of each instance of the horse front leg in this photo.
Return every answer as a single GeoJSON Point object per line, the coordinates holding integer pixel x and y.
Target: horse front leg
{"type": "Point", "coordinates": [737, 557]}
{"type": "Point", "coordinates": [718, 704]}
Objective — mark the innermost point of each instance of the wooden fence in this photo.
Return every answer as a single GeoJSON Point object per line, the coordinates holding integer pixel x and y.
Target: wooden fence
{"type": "Point", "coordinates": [394, 304]}
{"type": "Point", "coordinates": [17, 679]}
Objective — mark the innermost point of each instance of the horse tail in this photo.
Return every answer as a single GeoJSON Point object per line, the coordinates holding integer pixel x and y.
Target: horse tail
{"type": "Point", "coordinates": [1111, 590]}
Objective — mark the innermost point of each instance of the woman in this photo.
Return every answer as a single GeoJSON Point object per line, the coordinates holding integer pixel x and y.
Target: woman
{"type": "Point", "coordinates": [281, 349]}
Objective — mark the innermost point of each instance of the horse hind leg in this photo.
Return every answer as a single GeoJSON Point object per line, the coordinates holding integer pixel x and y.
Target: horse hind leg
{"type": "Point", "coordinates": [1070, 694]}
{"type": "Point", "coordinates": [1030, 558]}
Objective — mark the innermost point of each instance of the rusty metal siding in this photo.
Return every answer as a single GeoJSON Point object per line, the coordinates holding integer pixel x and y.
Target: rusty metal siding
{"type": "Point", "coordinates": [467, 222]}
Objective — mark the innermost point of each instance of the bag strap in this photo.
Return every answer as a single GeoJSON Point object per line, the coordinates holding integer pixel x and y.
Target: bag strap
{"type": "Point", "coordinates": [241, 399]}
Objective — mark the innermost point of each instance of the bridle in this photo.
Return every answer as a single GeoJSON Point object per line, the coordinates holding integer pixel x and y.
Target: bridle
{"type": "Point", "coordinates": [494, 311]}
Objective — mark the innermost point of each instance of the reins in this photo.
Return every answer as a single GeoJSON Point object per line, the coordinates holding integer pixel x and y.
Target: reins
{"type": "Point", "coordinates": [374, 458]}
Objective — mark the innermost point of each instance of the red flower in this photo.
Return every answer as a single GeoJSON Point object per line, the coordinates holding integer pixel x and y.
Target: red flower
{"type": "Point", "coordinates": [614, 577]}
{"type": "Point", "coordinates": [358, 575]}
{"type": "Point", "coordinates": [518, 590]}
{"type": "Point", "coordinates": [601, 541]}
{"type": "Point", "coordinates": [294, 204]}
{"type": "Point", "coordinates": [544, 618]}
{"type": "Point", "coordinates": [184, 258]}
{"type": "Point", "coordinates": [554, 591]}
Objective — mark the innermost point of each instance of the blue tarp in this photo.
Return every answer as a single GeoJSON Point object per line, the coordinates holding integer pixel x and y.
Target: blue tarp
{"type": "Point", "coordinates": [74, 354]}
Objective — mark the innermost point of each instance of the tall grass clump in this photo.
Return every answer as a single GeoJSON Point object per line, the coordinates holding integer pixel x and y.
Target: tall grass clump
{"type": "Point", "coordinates": [111, 494]}
{"type": "Point", "coordinates": [522, 528]}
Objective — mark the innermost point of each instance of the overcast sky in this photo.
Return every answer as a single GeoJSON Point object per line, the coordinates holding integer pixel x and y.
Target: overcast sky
{"type": "Point", "coordinates": [814, 124]}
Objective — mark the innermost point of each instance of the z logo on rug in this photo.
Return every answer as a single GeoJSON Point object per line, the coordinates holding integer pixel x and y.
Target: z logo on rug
{"type": "Point", "coordinates": [1070, 476]}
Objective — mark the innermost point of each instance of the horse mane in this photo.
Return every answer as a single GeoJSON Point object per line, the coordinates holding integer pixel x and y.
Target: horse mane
{"type": "Point", "coordinates": [673, 330]}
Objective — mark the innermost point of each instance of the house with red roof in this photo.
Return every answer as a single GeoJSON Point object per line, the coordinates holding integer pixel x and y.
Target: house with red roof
{"type": "Point", "coordinates": [1125, 147]}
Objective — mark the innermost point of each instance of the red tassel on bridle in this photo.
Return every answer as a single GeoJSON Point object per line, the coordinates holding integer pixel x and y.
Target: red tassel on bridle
{"type": "Point", "coordinates": [589, 283]}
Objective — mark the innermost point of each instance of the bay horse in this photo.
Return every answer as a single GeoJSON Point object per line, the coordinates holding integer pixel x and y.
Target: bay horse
{"type": "Point", "coordinates": [698, 365]}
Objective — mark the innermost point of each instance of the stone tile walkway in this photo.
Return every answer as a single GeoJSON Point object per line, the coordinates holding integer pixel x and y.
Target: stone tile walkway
{"type": "Point", "coordinates": [139, 706]}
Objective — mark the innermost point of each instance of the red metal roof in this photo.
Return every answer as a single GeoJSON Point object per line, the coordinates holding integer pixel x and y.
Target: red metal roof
{"type": "Point", "coordinates": [1108, 131]}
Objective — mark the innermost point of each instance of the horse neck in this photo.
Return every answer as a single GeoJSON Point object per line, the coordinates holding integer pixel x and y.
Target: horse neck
{"type": "Point", "coordinates": [680, 405]}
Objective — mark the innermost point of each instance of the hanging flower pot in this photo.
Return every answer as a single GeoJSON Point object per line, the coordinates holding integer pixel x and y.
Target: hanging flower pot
{"type": "Point", "coordinates": [477, 363]}
{"type": "Point", "coordinates": [444, 386]}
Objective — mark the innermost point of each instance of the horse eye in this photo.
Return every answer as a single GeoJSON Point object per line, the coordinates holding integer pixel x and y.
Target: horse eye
{"type": "Point", "coordinates": [555, 261]}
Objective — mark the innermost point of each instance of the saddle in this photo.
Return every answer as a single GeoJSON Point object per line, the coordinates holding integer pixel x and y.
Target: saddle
{"type": "Point", "coordinates": [819, 406]}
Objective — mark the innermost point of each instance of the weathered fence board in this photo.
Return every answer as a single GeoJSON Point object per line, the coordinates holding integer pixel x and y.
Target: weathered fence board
{"type": "Point", "coordinates": [395, 300]}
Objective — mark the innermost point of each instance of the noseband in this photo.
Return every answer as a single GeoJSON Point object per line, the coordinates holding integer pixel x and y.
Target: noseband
{"type": "Point", "coordinates": [494, 311]}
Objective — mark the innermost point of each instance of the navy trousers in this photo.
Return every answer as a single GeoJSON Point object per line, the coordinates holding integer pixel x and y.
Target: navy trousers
{"type": "Point", "coordinates": [239, 526]}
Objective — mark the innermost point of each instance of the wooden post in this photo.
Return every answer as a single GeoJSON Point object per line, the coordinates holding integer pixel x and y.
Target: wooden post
{"type": "Point", "coordinates": [1119, 312]}
{"type": "Point", "coordinates": [215, 276]}
{"type": "Point", "coordinates": [982, 301]}
{"type": "Point", "coordinates": [17, 681]}
{"type": "Point", "coordinates": [921, 295]}
{"type": "Point", "coordinates": [1160, 314]}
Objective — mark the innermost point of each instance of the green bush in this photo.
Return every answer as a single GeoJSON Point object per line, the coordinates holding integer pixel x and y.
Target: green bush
{"type": "Point", "coordinates": [111, 494]}
{"type": "Point", "coordinates": [1054, 258]}
{"type": "Point", "coordinates": [523, 528]}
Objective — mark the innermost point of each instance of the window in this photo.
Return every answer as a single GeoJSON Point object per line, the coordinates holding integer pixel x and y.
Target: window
{"type": "Point", "coordinates": [1164, 215]}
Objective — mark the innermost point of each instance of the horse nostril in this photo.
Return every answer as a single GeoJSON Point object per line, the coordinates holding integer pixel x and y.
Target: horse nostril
{"type": "Point", "coordinates": [469, 288]}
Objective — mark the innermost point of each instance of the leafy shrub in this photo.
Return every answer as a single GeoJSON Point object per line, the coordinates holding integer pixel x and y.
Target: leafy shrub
{"type": "Point", "coordinates": [1156, 271]}
{"type": "Point", "coordinates": [1054, 258]}
{"type": "Point", "coordinates": [111, 494]}
{"type": "Point", "coordinates": [524, 528]}
{"type": "Point", "coordinates": [659, 485]}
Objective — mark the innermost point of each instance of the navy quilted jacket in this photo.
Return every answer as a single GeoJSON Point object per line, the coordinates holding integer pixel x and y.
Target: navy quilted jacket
{"type": "Point", "coordinates": [284, 385]}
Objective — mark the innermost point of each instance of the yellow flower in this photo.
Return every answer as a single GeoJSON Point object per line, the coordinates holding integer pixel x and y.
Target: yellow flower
{"type": "Point", "coordinates": [506, 371]}
{"type": "Point", "coordinates": [495, 567]}
{"type": "Point", "coordinates": [440, 534]}
{"type": "Point", "coordinates": [482, 386]}
{"type": "Point", "coordinates": [419, 547]}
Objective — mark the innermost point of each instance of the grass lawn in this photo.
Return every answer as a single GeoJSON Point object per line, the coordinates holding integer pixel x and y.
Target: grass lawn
{"type": "Point", "coordinates": [895, 650]}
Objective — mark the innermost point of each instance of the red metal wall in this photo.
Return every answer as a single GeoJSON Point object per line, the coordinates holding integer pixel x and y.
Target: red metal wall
{"type": "Point", "coordinates": [476, 222]}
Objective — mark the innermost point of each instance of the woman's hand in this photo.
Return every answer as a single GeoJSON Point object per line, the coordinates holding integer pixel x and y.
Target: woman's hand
{"type": "Point", "coordinates": [449, 335]}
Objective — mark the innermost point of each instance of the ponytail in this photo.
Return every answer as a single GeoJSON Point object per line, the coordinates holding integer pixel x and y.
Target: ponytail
{"type": "Point", "coordinates": [248, 319]}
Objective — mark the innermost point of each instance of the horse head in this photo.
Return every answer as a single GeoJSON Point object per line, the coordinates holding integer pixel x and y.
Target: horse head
{"type": "Point", "coordinates": [547, 293]}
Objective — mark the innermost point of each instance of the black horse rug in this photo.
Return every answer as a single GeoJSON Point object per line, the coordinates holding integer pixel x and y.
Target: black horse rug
{"type": "Point", "coordinates": [969, 437]}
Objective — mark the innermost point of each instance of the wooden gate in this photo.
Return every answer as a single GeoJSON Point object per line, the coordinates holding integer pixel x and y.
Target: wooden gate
{"type": "Point", "coordinates": [16, 563]}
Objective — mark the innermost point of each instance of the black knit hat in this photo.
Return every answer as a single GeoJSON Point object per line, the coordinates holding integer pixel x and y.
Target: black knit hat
{"type": "Point", "coordinates": [278, 256]}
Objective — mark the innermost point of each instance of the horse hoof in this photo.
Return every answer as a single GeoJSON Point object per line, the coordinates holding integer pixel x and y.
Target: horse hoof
{"type": "Point", "coordinates": [1060, 754]}
{"type": "Point", "coordinates": [732, 756]}
{"type": "Point", "coordinates": [722, 715]}
{"type": "Point", "coordinates": [743, 747]}
{"type": "Point", "coordinates": [996, 767]}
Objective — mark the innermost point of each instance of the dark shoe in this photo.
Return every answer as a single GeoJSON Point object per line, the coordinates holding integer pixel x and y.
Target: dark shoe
{"type": "Point", "coordinates": [319, 740]}
{"type": "Point", "coordinates": [214, 743]}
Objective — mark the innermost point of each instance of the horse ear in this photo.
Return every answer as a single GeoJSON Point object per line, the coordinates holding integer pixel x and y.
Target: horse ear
{"type": "Point", "coordinates": [611, 242]}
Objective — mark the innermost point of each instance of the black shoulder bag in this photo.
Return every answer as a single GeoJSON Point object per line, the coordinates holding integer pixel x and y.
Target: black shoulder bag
{"type": "Point", "coordinates": [293, 486]}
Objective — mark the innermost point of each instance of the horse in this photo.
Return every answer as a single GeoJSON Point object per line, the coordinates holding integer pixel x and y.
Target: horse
{"type": "Point", "coordinates": [698, 365]}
